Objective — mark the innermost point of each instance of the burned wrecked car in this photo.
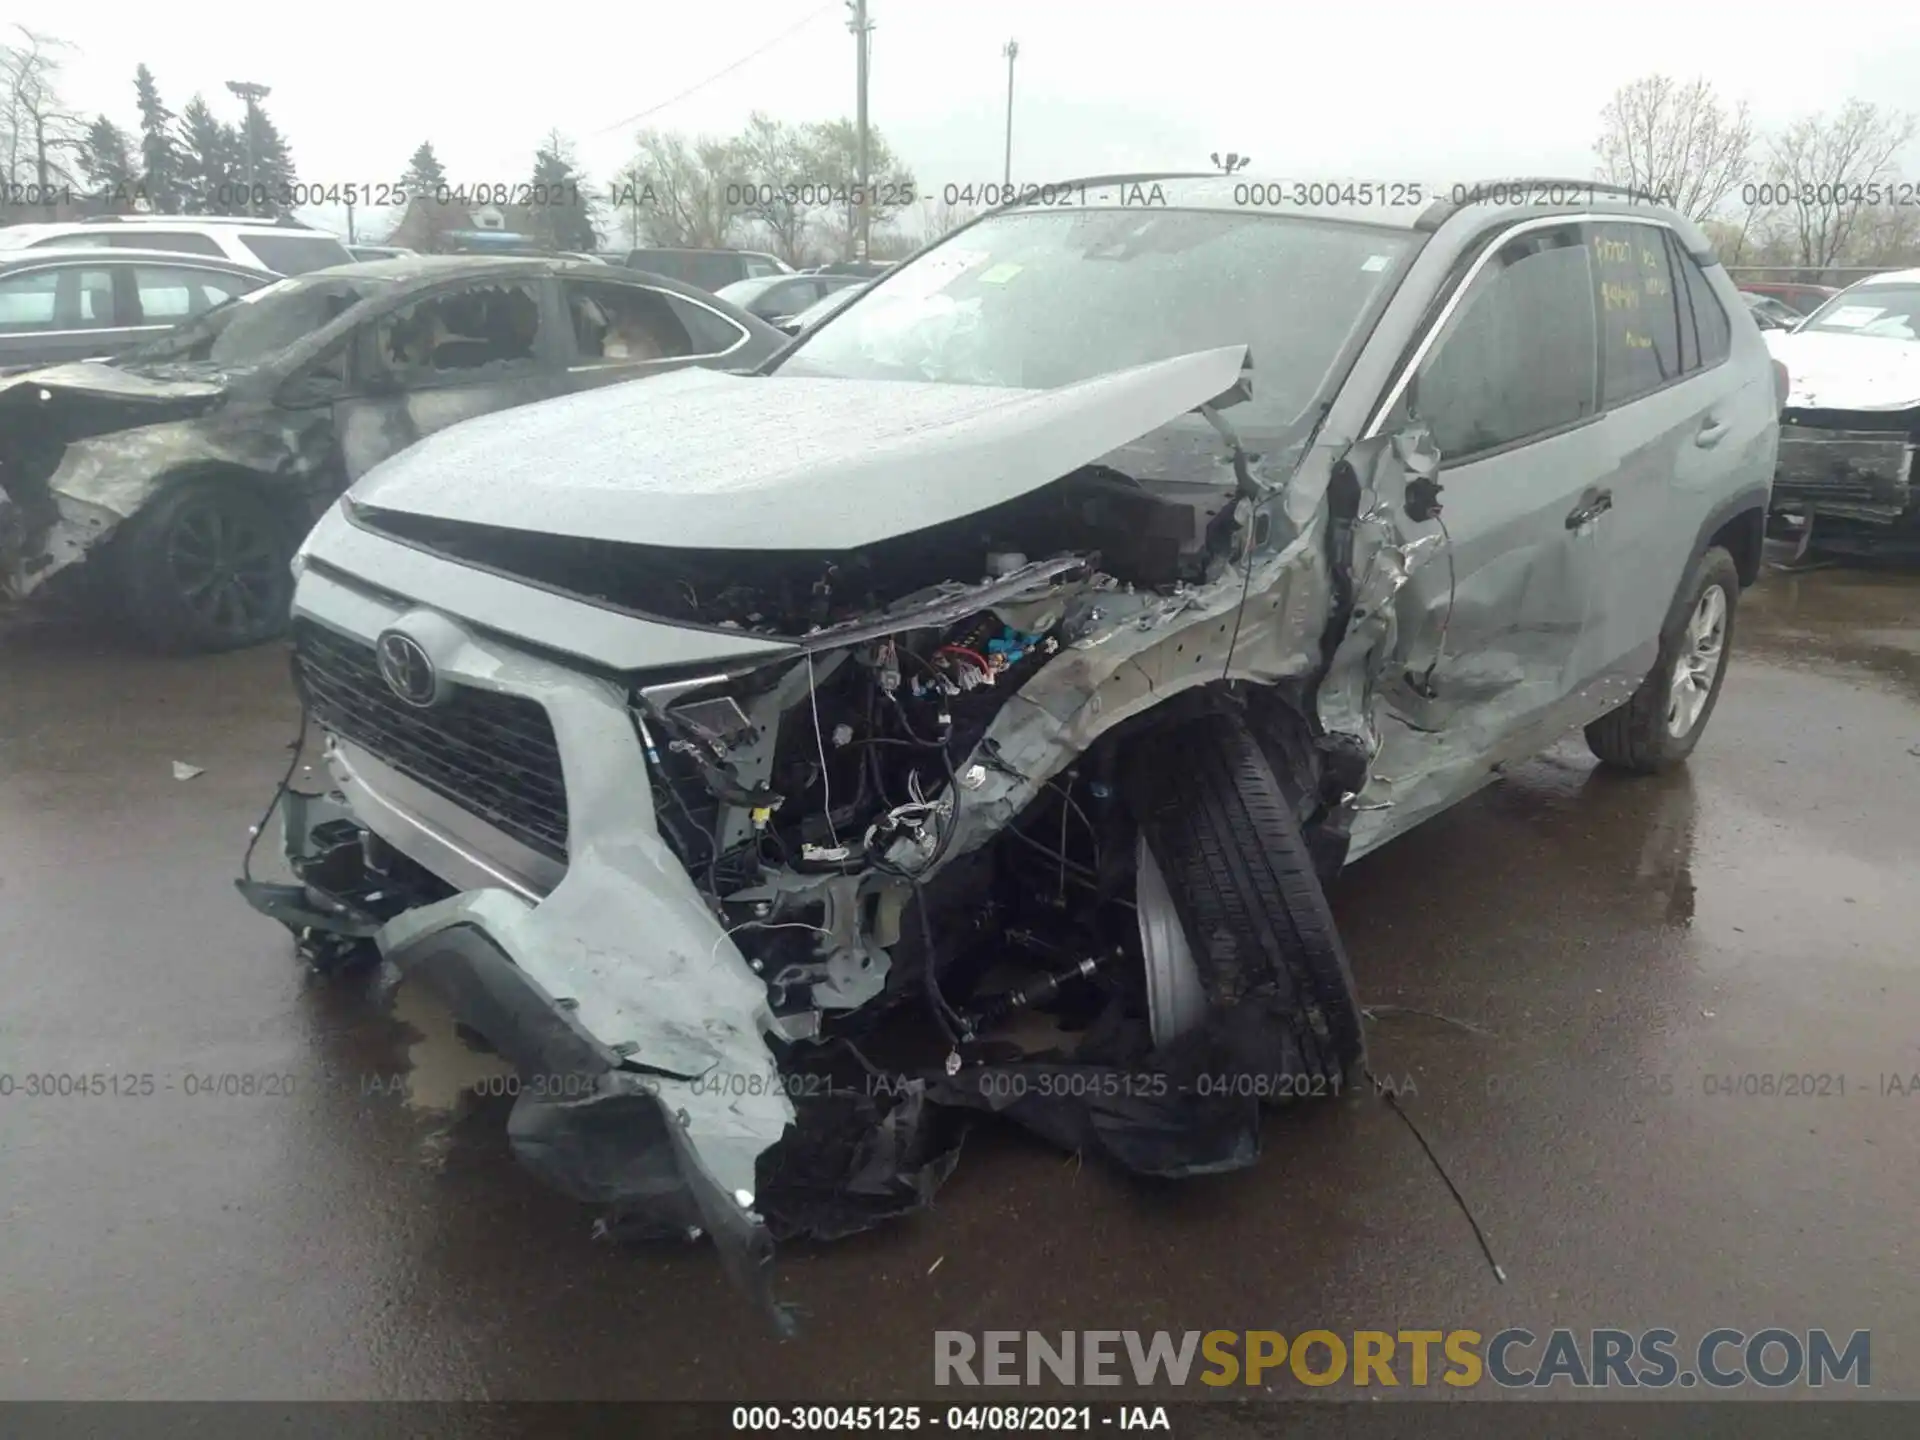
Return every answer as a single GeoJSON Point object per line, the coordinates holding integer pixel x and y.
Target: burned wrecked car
{"type": "Point", "coordinates": [1852, 420]}
{"type": "Point", "coordinates": [964, 714]}
{"type": "Point", "coordinates": [185, 472]}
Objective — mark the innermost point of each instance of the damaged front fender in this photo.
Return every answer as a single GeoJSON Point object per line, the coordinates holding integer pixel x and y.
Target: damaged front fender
{"type": "Point", "coordinates": [82, 453]}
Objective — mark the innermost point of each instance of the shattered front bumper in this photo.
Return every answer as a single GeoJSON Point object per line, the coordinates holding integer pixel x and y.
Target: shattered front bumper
{"type": "Point", "coordinates": [634, 1022]}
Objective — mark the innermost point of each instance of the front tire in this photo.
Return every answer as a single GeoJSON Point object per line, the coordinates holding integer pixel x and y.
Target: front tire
{"type": "Point", "coordinates": [205, 568]}
{"type": "Point", "coordinates": [1660, 725]}
{"type": "Point", "coordinates": [1279, 997]}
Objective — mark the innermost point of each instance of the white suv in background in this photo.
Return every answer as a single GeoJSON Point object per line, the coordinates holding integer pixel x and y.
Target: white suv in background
{"type": "Point", "coordinates": [284, 247]}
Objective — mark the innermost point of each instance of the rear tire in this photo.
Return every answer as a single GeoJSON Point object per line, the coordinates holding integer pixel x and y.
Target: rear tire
{"type": "Point", "coordinates": [206, 567]}
{"type": "Point", "coordinates": [1660, 725]}
{"type": "Point", "coordinates": [1280, 995]}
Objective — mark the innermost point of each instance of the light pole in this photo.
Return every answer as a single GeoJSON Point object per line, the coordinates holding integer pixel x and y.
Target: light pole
{"type": "Point", "coordinates": [1012, 51]}
{"type": "Point", "coordinates": [861, 28]}
{"type": "Point", "coordinates": [1232, 163]}
{"type": "Point", "coordinates": [252, 94]}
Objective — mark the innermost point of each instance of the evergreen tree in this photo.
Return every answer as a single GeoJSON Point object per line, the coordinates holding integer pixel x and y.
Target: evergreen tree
{"type": "Point", "coordinates": [161, 168]}
{"type": "Point", "coordinates": [209, 161]}
{"type": "Point", "coordinates": [272, 162]}
{"type": "Point", "coordinates": [562, 204]}
{"type": "Point", "coordinates": [106, 160]}
{"type": "Point", "coordinates": [423, 176]}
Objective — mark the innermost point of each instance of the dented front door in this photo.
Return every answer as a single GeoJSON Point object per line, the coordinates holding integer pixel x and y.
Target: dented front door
{"type": "Point", "coordinates": [444, 357]}
{"type": "Point", "coordinates": [1481, 659]}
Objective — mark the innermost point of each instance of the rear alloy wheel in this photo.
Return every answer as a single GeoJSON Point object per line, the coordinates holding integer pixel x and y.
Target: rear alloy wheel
{"type": "Point", "coordinates": [206, 568]}
{"type": "Point", "coordinates": [1240, 946]}
{"type": "Point", "coordinates": [1661, 724]}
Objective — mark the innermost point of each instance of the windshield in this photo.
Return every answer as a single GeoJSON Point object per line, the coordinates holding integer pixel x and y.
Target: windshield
{"type": "Point", "coordinates": [251, 328]}
{"type": "Point", "coordinates": [1043, 299]}
{"type": "Point", "coordinates": [1885, 312]}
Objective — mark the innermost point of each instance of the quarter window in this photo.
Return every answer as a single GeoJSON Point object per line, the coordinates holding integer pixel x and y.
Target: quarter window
{"type": "Point", "coordinates": [1712, 331]}
{"type": "Point", "coordinates": [1639, 311]}
{"type": "Point", "coordinates": [1516, 359]}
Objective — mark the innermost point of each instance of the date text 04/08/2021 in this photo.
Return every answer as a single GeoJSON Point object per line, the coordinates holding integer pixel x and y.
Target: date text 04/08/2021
{"type": "Point", "coordinates": [989, 1419]}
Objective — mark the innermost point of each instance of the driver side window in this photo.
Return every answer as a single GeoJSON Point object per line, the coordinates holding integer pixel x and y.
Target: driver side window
{"type": "Point", "coordinates": [1516, 360]}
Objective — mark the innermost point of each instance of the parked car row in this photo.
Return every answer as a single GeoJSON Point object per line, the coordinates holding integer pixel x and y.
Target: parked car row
{"type": "Point", "coordinates": [185, 471]}
{"type": "Point", "coordinates": [59, 304]}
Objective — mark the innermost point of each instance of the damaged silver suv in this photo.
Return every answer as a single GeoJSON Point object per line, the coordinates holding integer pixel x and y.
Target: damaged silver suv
{"type": "Point", "coordinates": [963, 714]}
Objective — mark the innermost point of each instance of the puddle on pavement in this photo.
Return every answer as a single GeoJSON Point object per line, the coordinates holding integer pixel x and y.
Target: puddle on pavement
{"type": "Point", "coordinates": [443, 1068]}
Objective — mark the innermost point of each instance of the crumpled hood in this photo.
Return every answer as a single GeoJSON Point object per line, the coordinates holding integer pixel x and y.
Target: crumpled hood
{"type": "Point", "coordinates": [1847, 372]}
{"type": "Point", "coordinates": [701, 459]}
{"type": "Point", "coordinates": [107, 380]}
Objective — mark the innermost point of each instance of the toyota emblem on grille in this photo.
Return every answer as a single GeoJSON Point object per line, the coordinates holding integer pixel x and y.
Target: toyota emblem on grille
{"type": "Point", "coordinates": [408, 671]}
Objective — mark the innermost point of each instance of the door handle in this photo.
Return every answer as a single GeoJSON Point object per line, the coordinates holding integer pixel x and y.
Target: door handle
{"type": "Point", "coordinates": [1591, 507]}
{"type": "Point", "coordinates": [1709, 433]}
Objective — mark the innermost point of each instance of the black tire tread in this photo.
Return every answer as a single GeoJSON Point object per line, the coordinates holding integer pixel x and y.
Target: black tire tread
{"type": "Point", "coordinates": [1222, 827]}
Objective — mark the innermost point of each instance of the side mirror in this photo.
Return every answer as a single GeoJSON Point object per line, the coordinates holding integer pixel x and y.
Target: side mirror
{"type": "Point", "coordinates": [1419, 459]}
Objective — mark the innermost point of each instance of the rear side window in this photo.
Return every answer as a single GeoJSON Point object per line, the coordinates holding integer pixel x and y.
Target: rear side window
{"type": "Point", "coordinates": [712, 333]}
{"type": "Point", "coordinates": [1516, 359]}
{"type": "Point", "coordinates": [168, 294]}
{"type": "Point", "coordinates": [1639, 311]}
{"type": "Point", "coordinates": [627, 323]}
{"type": "Point", "coordinates": [296, 254]}
{"type": "Point", "coordinates": [185, 241]}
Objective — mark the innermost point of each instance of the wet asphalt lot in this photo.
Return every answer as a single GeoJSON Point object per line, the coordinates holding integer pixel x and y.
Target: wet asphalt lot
{"type": "Point", "coordinates": [1621, 944]}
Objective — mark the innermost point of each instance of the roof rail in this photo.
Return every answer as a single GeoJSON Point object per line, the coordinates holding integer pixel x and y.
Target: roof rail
{"type": "Point", "coordinates": [1446, 207]}
{"type": "Point", "coordinates": [284, 221]}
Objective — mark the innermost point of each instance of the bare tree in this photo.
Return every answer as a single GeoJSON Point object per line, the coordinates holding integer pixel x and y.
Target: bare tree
{"type": "Point", "coordinates": [770, 176]}
{"type": "Point", "coordinates": [39, 136]}
{"type": "Point", "coordinates": [686, 186]}
{"type": "Point", "coordinates": [1677, 141]}
{"type": "Point", "coordinates": [1824, 176]}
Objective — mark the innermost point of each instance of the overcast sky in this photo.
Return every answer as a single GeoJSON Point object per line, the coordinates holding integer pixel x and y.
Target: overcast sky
{"type": "Point", "coordinates": [1386, 90]}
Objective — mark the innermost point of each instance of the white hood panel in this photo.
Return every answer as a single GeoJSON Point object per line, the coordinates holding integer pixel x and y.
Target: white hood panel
{"type": "Point", "coordinates": [1847, 372]}
{"type": "Point", "coordinates": [700, 459]}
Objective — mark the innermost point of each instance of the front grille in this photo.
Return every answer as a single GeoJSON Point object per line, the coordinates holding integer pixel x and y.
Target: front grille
{"type": "Point", "coordinates": [492, 754]}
